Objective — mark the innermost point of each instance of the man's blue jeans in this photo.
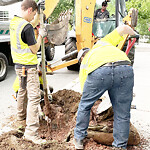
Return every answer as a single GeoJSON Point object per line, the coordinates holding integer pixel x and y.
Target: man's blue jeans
{"type": "Point", "coordinates": [119, 81]}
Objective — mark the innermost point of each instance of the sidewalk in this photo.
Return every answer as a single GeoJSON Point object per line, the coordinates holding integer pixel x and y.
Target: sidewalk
{"type": "Point", "coordinates": [140, 116]}
{"type": "Point", "coordinates": [143, 47]}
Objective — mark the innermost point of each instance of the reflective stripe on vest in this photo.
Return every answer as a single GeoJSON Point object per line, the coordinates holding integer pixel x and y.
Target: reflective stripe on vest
{"type": "Point", "coordinates": [20, 51]}
{"type": "Point", "coordinates": [17, 33]}
{"type": "Point", "coordinates": [84, 66]}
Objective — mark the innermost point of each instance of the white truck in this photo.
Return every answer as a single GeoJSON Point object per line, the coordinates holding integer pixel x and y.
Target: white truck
{"type": "Point", "coordinates": [6, 13]}
{"type": "Point", "coordinates": [57, 33]}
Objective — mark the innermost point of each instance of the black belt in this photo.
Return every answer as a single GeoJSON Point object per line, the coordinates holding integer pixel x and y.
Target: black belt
{"type": "Point", "coordinates": [19, 66]}
{"type": "Point", "coordinates": [117, 63]}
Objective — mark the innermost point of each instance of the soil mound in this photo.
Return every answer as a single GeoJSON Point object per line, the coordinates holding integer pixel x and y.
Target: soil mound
{"type": "Point", "coordinates": [64, 107]}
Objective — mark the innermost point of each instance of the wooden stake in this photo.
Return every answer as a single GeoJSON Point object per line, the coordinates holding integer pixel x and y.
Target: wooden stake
{"type": "Point", "coordinates": [47, 104]}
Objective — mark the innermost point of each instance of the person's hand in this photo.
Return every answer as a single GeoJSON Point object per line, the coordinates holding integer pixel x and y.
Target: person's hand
{"type": "Point", "coordinates": [41, 5]}
{"type": "Point", "coordinates": [42, 32]}
{"type": "Point", "coordinates": [137, 36]}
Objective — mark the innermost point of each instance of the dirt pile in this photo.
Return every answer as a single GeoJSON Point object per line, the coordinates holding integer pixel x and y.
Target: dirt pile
{"type": "Point", "coordinates": [64, 107]}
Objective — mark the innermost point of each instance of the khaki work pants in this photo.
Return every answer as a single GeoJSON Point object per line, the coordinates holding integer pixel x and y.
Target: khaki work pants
{"type": "Point", "coordinates": [28, 100]}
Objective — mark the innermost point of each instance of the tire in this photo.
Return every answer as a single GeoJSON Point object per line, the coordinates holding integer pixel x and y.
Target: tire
{"type": "Point", "coordinates": [49, 52]}
{"type": "Point", "coordinates": [3, 66]}
{"type": "Point", "coordinates": [70, 46]}
{"type": "Point", "coordinates": [131, 52]}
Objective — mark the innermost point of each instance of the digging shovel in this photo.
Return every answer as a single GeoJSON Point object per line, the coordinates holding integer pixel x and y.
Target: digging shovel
{"type": "Point", "coordinates": [23, 78]}
{"type": "Point", "coordinates": [47, 110]}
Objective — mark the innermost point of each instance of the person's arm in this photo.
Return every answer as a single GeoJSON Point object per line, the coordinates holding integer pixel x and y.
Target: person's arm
{"type": "Point", "coordinates": [28, 37]}
{"type": "Point", "coordinates": [95, 14]}
{"type": "Point", "coordinates": [35, 21]}
{"type": "Point", "coordinates": [34, 48]}
{"type": "Point", "coordinates": [117, 35]}
{"type": "Point", "coordinates": [125, 29]}
{"type": "Point", "coordinates": [107, 14]}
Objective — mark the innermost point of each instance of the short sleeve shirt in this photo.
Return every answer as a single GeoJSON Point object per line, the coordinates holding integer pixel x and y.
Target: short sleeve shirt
{"type": "Point", "coordinates": [101, 15]}
{"type": "Point", "coordinates": [28, 35]}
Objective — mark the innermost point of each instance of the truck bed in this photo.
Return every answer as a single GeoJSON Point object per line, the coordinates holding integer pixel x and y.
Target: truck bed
{"type": "Point", "coordinates": [5, 38]}
{"type": "Point", "coordinates": [4, 31]}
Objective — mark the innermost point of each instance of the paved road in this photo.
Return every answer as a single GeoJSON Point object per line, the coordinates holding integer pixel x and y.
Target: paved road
{"type": "Point", "coordinates": [62, 78]}
{"type": "Point", "coordinates": [7, 104]}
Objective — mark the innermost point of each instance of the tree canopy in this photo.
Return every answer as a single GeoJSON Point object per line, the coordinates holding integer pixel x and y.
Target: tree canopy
{"type": "Point", "coordinates": [62, 6]}
{"type": "Point", "coordinates": [143, 7]}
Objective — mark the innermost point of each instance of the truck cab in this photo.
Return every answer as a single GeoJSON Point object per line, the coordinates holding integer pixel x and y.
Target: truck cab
{"type": "Point", "coordinates": [6, 14]}
{"type": "Point", "coordinates": [102, 27]}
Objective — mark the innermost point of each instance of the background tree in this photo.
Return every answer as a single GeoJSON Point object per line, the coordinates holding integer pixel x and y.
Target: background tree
{"type": "Point", "coordinates": [143, 7]}
{"type": "Point", "coordinates": [62, 7]}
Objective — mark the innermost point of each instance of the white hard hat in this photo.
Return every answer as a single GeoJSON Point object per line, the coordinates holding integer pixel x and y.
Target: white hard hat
{"type": "Point", "coordinates": [81, 52]}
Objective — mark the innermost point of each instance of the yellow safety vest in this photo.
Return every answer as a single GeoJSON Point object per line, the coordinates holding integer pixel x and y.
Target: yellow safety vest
{"type": "Point", "coordinates": [99, 55]}
{"type": "Point", "coordinates": [20, 51]}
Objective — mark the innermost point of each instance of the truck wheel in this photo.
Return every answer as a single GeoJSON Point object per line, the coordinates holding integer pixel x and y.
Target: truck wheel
{"type": "Point", "coordinates": [50, 52]}
{"type": "Point", "coordinates": [70, 46]}
{"type": "Point", "coordinates": [3, 66]}
{"type": "Point", "coordinates": [131, 52]}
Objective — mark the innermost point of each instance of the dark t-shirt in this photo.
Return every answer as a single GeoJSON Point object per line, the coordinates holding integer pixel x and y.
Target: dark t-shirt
{"type": "Point", "coordinates": [101, 15]}
{"type": "Point", "coordinates": [28, 35]}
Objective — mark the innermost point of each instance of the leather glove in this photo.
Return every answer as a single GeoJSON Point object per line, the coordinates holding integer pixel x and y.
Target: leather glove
{"type": "Point", "coordinates": [42, 32]}
{"type": "Point", "coordinates": [41, 4]}
{"type": "Point", "coordinates": [137, 36]}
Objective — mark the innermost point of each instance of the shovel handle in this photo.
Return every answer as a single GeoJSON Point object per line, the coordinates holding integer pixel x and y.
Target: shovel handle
{"type": "Point", "coordinates": [23, 71]}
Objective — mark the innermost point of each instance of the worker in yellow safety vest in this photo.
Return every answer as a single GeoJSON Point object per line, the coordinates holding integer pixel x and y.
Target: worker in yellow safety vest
{"type": "Point", "coordinates": [24, 48]}
{"type": "Point", "coordinates": [106, 68]}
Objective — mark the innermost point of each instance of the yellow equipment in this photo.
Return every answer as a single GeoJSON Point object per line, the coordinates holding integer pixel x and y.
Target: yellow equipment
{"type": "Point", "coordinates": [49, 7]}
{"type": "Point", "coordinates": [84, 11]}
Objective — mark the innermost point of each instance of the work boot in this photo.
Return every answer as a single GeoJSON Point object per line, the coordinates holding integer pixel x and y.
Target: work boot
{"type": "Point", "coordinates": [78, 143]}
{"type": "Point", "coordinates": [20, 125]}
{"type": "Point", "coordinates": [35, 139]}
{"type": "Point", "coordinates": [21, 118]}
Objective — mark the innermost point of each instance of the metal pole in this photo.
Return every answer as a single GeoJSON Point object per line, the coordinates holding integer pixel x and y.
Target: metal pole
{"type": "Point", "coordinates": [117, 12]}
{"type": "Point", "coordinates": [43, 52]}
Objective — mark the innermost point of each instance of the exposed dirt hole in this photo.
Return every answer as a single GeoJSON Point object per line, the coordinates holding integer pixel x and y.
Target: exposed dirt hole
{"type": "Point", "coordinates": [64, 108]}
